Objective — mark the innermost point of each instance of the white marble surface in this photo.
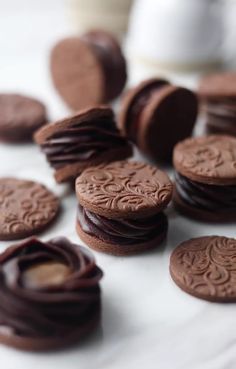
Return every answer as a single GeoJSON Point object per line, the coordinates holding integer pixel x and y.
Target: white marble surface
{"type": "Point", "coordinates": [147, 321]}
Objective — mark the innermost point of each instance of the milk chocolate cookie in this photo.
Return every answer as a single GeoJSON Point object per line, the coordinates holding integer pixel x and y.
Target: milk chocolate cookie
{"type": "Point", "coordinates": [120, 207]}
{"type": "Point", "coordinates": [205, 179]}
{"type": "Point", "coordinates": [49, 294]}
{"type": "Point", "coordinates": [26, 208]}
{"type": "Point", "coordinates": [205, 267]}
{"type": "Point", "coordinates": [87, 138]}
{"type": "Point", "coordinates": [20, 117]}
{"type": "Point", "coordinates": [218, 96]}
{"type": "Point", "coordinates": [88, 70]}
{"type": "Point", "coordinates": [156, 115]}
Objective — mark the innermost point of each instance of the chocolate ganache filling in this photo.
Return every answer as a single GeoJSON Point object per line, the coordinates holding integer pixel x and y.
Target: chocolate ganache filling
{"type": "Point", "coordinates": [141, 100]}
{"type": "Point", "coordinates": [48, 290]}
{"type": "Point", "coordinates": [205, 196]}
{"type": "Point", "coordinates": [82, 142]}
{"type": "Point", "coordinates": [122, 231]}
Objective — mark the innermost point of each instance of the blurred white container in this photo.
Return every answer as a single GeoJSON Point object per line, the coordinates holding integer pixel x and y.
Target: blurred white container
{"type": "Point", "coordinates": [176, 34]}
{"type": "Point", "coordinates": [110, 15]}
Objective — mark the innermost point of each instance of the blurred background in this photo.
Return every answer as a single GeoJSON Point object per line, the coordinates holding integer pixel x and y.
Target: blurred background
{"type": "Point", "coordinates": [180, 39]}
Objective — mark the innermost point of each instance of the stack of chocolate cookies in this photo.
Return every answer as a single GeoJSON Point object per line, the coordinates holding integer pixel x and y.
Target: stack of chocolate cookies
{"type": "Point", "coordinates": [121, 205]}
{"type": "Point", "coordinates": [217, 93]}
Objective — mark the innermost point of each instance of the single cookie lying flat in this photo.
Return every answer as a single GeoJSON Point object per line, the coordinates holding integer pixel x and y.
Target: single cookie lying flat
{"type": "Point", "coordinates": [205, 267]}
{"type": "Point", "coordinates": [26, 208]}
{"type": "Point", "coordinates": [120, 207]}
{"type": "Point", "coordinates": [88, 138]}
{"type": "Point", "coordinates": [52, 294]}
{"type": "Point", "coordinates": [20, 117]}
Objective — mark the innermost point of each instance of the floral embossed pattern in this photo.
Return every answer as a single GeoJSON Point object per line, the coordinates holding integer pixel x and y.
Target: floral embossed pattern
{"type": "Point", "coordinates": [211, 158]}
{"type": "Point", "coordinates": [123, 189]}
{"type": "Point", "coordinates": [25, 208]}
{"type": "Point", "coordinates": [206, 268]}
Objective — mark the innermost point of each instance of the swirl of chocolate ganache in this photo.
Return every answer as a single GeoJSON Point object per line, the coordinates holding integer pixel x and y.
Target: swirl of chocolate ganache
{"type": "Point", "coordinates": [205, 196]}
{"type": "Point", "coordinates": [48, 291]}
{"type": "Point", "coordinates": [82, 142]}
{"type": "Point", "coordinates": [122, 231]}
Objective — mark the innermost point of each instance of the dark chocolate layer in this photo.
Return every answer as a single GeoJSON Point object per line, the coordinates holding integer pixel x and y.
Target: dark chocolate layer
{"type": "Point", "coordinates": [204, 196]}
{"type": "Point", "coordinates": [221, 116]}
{"type": "Point", "coordinates": [111, 60]}
{"type": "Point", "coordinates": [48, 311]}
{"type": "Point", "coordinates": [82, 142]}
{"type": "Point", "coordinates": [122, 231]}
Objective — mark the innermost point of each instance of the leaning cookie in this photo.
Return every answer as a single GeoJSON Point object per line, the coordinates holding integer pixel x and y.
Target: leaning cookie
{"type": "Point", "coordinates": [20, 117]}
{"type": "Point", "coordinates": [88, 70]}
{"type": "Point", "coordinates": [88, 138]}
{"type": "Point", "coordinates": [121, 207]}
{"type": "Point", "coordinates": [205, 178]}
{"type": "Point", "coordinates": [205, 268]}
{"type": "Point", "coordinates": [50, 294]}
{"type": "Point", "coordinates": [156, 115]}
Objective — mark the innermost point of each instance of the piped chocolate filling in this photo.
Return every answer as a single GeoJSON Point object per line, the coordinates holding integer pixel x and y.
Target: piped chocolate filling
{"type": "Point", "coordinates": [32, 305]}
{"type": "Point", "coordinates": [82, 142]}
{"type": "Point", "coordinates": [204, 196]}
{"type": "Point", "coordinates": [111, 60]}
{"type": "Point", "coordinates": [141, 100]}
{"type": "Point", "coordinates": [122, 231]}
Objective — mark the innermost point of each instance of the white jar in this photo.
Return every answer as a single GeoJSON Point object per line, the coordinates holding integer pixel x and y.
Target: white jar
{"type": "Point", "coordinates": [177, 34]}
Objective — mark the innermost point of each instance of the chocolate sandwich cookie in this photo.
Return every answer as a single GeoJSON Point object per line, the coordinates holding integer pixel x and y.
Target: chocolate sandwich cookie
{"type": "Point", "coordinates": [205, 178]}
{"type": "Point", "coordinates": [156, 115]}
{"type": "Point", "coordinates": [26, 208]}
{"type": "Point", "coordinates": [205, 268]}
{"type": "Point", "coordinates": [121, 207]}
{"type": "Point", "coordinates": [85, 139]}
{"type": "Point", "coordinates": [49, 294]}
{"type": "Point", "coordinates": [217, 93]}
{"type": "Point", "coordinates": [88, 70]}
{"type": "Point", "coordinates": [20, 117]}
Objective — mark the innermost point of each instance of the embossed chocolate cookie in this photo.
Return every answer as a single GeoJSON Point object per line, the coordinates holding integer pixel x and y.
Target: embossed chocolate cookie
{"type": "Point", "coordinates": [218, 85]}
{"type": "Point", "coordinates": [120, 207]}
{"type": "Point", "coordinates": [125, 189]}
{"type": "Point", "coordinates": [205, 267]}
{"type": "Point", "coordinates": [20, 117]}
{"type": "Point", "coordinates": [208, 159]}
{"type": "Point", "coordinates": [52, 294]}
{"type": "Point", "coordinates": [88, 138]}
{"type": "Point", "coordinates": [26, 208]}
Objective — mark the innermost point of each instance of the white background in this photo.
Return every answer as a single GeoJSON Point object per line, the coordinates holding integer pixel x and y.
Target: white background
{"type": "Point", "coordinates": [147, 321]}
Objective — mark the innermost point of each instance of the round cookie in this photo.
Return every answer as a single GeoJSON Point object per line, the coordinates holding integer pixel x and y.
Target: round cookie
{"type": "Point", "coordinates": [26, 208]}
{"type": "Point", "coordinates": [88, 138]}
{"type": "Point", "coordinates": [52, 293]}
{"type": "Point", "coordinates": [120, 207]}
{"type": "Point", "coordinates": [88, 70]}
{"type": "Point", "coordinates": [157, 115]}
{"type": "Point", "coordinates": [207, 159]}
{"type": "Point", "coordinates": [205, 268]}
{"type": "Point", "coordinates": [124, 189]}
{"type": "Point", "coordinates": [20, 117]}
{"type": "Point", "coordinates": [218, 86]}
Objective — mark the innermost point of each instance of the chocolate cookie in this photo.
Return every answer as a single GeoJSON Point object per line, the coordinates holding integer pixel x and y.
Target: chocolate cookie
{"type": "Point", "coordinates": [218, 96]}
{"type": "Point", "coordinates": [85, 139]}
{"type": "Point", "coordinates": [88, 70]}
{"type": "Point", "coordinates": [120, 207]}
{"type": "Point", "coordinates": [49, 294]}
{"type": "Point", "coordinates": [205, 267]}
{"type": "Point", "coordinates": [20, 117]}
{"type": "Point", "coordinates": [26, 207]}
{"type": "Point", "coordinates": [205, 179]}
{"type": "Point", "coordinates": [156, 115]}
